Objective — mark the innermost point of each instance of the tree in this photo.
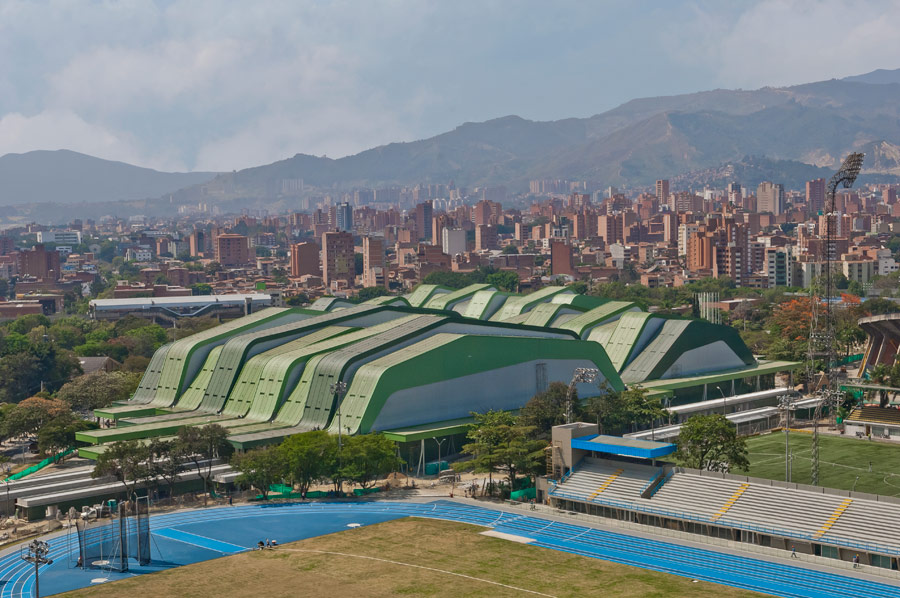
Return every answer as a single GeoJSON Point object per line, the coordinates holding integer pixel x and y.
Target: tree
{"type": "Point", "coordinates": [546, 409]}
{"type": "Point", "coordinates": [213, 268]}
{"type": "Point", "coordinates": [98, 389]}
{"type": "Point", "coordinates": [260, 468]}
{"type": "Point", "coordinates": [59, 433]}
{"type": "Point", "coordinates": [510, 249]}
{"type": "Point", "coordinates": [453, 280]}
{"type": "Point", "coordinates": [29, 416]}
{"type": "Point", "coordinates": [618, 412]}
{"type": "Point", "coordinates": [504, 280]}
{"type": "Point", "coordinates": [367, 293]}
{"type": "Point", "coordinates": [711, 443]}
{"type": "Point", "coordinates": [203, 445]}
{"type": "Point", "coordinates": [201, 288]}
{"type": "Point", "coordinates": [127, 462]}
{"type": "Point", "coordinates": [309, 457]}
{"type": "Point", "coordinates": [297, 300]}
{"type": "Point", "coordinates": [367, 457]}
{"type": "Point", "coordinates": [358, 263]}
{"type": "Point", "coordinates": [168, 460]}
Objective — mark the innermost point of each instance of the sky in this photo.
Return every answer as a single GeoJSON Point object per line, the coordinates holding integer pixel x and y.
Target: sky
{"type": "Point", "coordinates": [221, 85]}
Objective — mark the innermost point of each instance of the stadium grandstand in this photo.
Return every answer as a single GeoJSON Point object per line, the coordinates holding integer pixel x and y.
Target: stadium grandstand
{"type": "Point", "coordinates": [172, 309]}
{"type": "Point", "coordinates": [420, 362]}
{"type": "Point", "coordinates": [621, 478]}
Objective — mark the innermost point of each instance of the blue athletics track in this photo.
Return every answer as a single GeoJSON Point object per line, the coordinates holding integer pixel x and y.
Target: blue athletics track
{"type": "Point", "coordinates": [192, 536]}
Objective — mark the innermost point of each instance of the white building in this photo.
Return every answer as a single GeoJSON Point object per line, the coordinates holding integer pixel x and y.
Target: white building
{"type": "Point", "coordinates": [67, 237]}
{"type": "Point", "coordinates": [453, 241]}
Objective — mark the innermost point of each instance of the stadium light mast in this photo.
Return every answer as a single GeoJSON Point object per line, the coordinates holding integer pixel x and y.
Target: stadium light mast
{"type": "Point", "coordinates": [844, 177]}
{"type": "Point", "coordinates": [36, 552]}
{"type": "Point", "coordinates": [580, 375]}
{"type": "Point", "coordinates": [339, 389]}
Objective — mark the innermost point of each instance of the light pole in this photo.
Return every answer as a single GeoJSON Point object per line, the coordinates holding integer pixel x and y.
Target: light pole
{"type": "Point", "coordinates": [580, 375]}
{"type": "Point", "coordinates": [785, 405]}
{"type": "Point", "coordinates": [339, 389]}
{"type": "Point", "coordinates": [37, 553]}
{"type": "Point", "coordinates": [439, 455]}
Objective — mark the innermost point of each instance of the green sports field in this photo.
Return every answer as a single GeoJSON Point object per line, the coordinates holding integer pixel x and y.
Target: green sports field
{"type": "Point", "coordinates": [841, 460]}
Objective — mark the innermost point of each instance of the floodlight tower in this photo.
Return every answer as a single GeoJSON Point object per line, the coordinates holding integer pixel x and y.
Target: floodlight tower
{"type": "Point", "coordinates": [822, 329]}
{"type": "Point", "coordinates": [586, 375]}
{"type": "Point", "coordinates": [37, 552]}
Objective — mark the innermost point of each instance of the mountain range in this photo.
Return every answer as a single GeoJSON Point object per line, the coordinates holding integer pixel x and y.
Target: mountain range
{"type": "Point", "coordinates": [67, 177]}
{"type": "Point", "coordinates": [788, 134]}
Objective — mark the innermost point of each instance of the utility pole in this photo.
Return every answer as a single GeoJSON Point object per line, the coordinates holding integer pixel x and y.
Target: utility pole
{"type": "Point", "coordinates": [580, 375]}
{"type": "Point", "coordinates": [822, 333]}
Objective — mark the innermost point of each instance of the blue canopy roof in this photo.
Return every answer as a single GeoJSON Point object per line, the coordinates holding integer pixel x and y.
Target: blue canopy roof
{"type": "Point", "coordinates": [628, 447]}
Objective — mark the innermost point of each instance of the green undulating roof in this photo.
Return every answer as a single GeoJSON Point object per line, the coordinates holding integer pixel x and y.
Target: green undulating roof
{"type": "Point", "coordinates": [602, 333]}
{"type": "Point", "coordinates": [582, 302]}
{"type": "Point", "coordinates": [453, 357]}
{"type": "Point", "coordinates": [622, 342]}
{"type": "Point", "coordinates": [448, 300]}
{"type": "Point", "coordinates": [252, 374]}
{"type": "Point", "coordinates": [485, 304]}
{"type": "Point", "coordinates": [546, 313]}
{"type": "Point", "coordinates": [146, 390]}
{"type": "Point", "coordinates": [582, 324]}
{"type": "Point", "coordinates": [675, 339]}
{"type": "Point", "coordinates": [518, 304]}
{"type": "Point", "coordinates": [239, 348]}
{"type": "Point", "coordinates": [191, 398]}
{"type": "Point", "coordinates": [424, 292]}
{"type": "Point", "coordinates": [180, 355]}
{"type": "Point", "coordinates": [313, 390]}
{"type": "Point", "coordinates": [387, 300]}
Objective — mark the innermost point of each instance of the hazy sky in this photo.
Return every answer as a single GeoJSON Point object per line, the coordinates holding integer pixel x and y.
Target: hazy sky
{"type": "Point", "coordinates": [220, 85]}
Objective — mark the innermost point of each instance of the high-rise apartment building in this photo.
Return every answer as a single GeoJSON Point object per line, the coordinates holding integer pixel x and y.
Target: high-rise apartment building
{"type": "Point", "coordinates": [486, 237]}
{"type": "Point", "coordinates": [770, 198]}
{"type": "Point", "coordinates": [337, 258]}
{"type": "Point", "coordinates": [735, 194]}
{"type": "Point", "coordinates": [40, 263]}
{"type": "Point", "coordinates": [454, 241]}
{"type": "Point", "coordinates": [344, 216]}
{"type": "Point", "coordinates": [889, 195]}
{"type": "Point", "coordinates": [662, 192]}
{"type": "Point", "coordinates": [481, 213]}
{"type": "Point", "coordinates": [305, 259]}
{"type": "Point", "coordinates": [561, 261]}
{"type": "Point", "coordinates": [232, 249]}
{"type": "Point", "coordinates": [815, 195]}
{"type": "Point", "coordinates": [423, 219]}
{"type": "Point", "coordinates": [373, 262]}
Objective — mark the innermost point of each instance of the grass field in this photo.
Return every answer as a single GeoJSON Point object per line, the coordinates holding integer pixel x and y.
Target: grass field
{"type": "Point", "coordinates": [841, 459]}
{"type": "Point", "coordinates": [447, 548]}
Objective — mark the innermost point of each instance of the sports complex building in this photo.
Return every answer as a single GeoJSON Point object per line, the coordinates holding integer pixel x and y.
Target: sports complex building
{"type": "Point", "coordinates": [416, 367]}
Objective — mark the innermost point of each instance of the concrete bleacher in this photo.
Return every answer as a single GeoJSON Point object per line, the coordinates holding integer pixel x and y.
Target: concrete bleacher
{"type": "Point", "coordinates": [771, 507]}
{"type": "Point", "coordinates": [697, 497]}
{"type": "Point", "coordinates": [864, 520]}
{"type": "Point", "coordinates": [608, 480]}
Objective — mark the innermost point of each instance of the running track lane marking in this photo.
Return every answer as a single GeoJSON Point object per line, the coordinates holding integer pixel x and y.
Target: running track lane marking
{"type": "Point", "coordinates": [199, 541]}
{"type": "Point", "coordinates": [373, 558]}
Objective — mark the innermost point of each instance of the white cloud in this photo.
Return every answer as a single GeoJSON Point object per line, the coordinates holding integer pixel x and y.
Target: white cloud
{"type": "Point", "coordinates": [787, 42]}
{"type": "Point", "coordinates": [222, 84]}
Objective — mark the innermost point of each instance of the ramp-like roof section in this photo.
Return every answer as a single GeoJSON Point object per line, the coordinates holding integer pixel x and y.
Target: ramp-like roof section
{"type": "Point", "coordinates": [181, 354]}
{"type": "Point", "coordinates": [314, 392]}
{"type": "Point", "coordinates": [676, 339]}
{"type": "Point", "coordinates": [448, 300]}
{"type": "Point", "coordinates": [485, 304]}
{"type": "Point", "coordinates": [582, 325]}
{"type": "Point", "coordinates": [424, 292]}
{"type": "Point", "coordinates": [238, 348]}
{"type": "Point", "coordinates": [518, 304]}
